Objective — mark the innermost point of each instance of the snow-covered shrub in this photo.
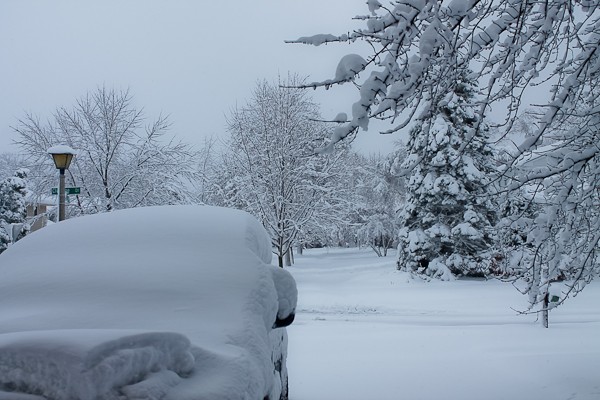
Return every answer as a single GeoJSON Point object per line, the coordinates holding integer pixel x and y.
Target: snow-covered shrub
{"type": "Point", "coordinates": [379, 233]}
{"type": "Point", "coordinates": [12, 208]}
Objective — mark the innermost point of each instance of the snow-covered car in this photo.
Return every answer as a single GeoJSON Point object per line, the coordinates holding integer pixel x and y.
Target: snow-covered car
{"type": "Point", "coordinates": [175, 302]}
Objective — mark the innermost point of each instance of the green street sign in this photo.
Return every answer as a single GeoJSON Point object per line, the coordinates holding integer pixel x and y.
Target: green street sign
{"type": "Point", "coordinates": [71, 190]}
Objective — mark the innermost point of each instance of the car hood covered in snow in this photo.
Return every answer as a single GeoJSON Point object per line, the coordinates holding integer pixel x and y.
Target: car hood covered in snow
{"type": "Point", "coordinates": [172, 302]}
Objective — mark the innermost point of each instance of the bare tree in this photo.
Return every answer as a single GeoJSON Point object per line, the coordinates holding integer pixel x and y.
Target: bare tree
{"type": "Point", "coordinates": [562, 180]}
{"type": "Point", "coordinates": [121, 161]}
{"type": "Point", "coordinates": [379, 195]}
{"type": "Point", "coordinates": [9, 163]}
{"type": "Point", "coordinates": [272, 170]}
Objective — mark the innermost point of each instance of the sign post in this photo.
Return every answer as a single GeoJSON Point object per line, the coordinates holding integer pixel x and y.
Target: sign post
{"type": "Point", "coordinates": [69, 190]}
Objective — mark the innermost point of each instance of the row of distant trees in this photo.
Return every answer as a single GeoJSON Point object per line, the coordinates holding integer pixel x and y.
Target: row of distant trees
{"type": "Point", "coordinates": [431, 198]}
{"type": "Point", "coordinates": [267, 166]}
{"type": "Point", "coordinates": [437, 198]}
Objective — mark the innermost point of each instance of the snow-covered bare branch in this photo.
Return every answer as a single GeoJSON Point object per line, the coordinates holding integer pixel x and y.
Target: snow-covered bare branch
{"type": "Point", "coordinates": [121, 161]}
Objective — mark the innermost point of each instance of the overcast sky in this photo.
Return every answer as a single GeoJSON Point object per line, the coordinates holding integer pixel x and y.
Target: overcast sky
{"type": "Point", "coordinates": [190, 59]}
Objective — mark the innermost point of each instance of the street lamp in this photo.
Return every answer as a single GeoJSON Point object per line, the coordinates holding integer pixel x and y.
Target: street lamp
{"type": "Point", "coordinates": [62, 156]}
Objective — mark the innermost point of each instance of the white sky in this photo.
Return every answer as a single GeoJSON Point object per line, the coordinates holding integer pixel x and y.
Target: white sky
{"type": "Point", "coordinates": [190, 59]}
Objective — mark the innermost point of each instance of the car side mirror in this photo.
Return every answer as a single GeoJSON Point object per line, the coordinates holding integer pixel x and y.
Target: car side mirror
{"type": "Point", "coordinates": [282, 323]}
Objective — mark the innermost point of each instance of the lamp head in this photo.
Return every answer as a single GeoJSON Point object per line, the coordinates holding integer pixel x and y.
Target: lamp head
{"type": "Point", "coordinates": [62, 156]}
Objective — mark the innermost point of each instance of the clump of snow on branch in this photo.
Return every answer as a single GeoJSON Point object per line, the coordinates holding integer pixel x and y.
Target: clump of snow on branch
{"type": "Point", "coordinates": [511, 46]}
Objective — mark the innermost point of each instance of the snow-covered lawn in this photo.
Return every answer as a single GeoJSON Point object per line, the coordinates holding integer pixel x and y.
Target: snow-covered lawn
{"type": "Point", "coordinates": [365, 331]}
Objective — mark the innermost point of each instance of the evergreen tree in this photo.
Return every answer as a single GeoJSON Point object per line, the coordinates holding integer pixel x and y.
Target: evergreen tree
{"type": "Point", "coordinates": [4, 238]}
{"type": "Point", "coordinates": [12, 208]}
{"type": "Point", "coordinates": [446, 219]}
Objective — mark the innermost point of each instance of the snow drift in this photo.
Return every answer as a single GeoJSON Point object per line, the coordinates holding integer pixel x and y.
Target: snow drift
{"type": "Point", "coordinates": [173, 302]}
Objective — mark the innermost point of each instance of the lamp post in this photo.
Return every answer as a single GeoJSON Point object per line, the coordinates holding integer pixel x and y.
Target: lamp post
{"type": "Point", "coordinates": [62, 156]}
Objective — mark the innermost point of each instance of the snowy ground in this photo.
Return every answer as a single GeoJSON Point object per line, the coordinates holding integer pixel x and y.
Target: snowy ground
{"type": "Point", "coordinates": [364, 331]}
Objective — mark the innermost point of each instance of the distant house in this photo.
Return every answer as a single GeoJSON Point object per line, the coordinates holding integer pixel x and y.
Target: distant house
{"type": "Point", "coordinates": [37, 212]}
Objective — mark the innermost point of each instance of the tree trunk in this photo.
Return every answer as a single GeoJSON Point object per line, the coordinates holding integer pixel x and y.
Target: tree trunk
{"type": "Point", "coordinates": [280, 260]}
{"type": "Point", "coordinates": [376, 249]}
{"type": "Point", "coordinates": [545, 311]}
{"type": "Point", "coordinates": [288, 257]}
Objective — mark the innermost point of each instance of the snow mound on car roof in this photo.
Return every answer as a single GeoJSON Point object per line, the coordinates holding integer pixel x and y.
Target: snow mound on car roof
{"type": "Point", "coordinates": [83, 285]}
